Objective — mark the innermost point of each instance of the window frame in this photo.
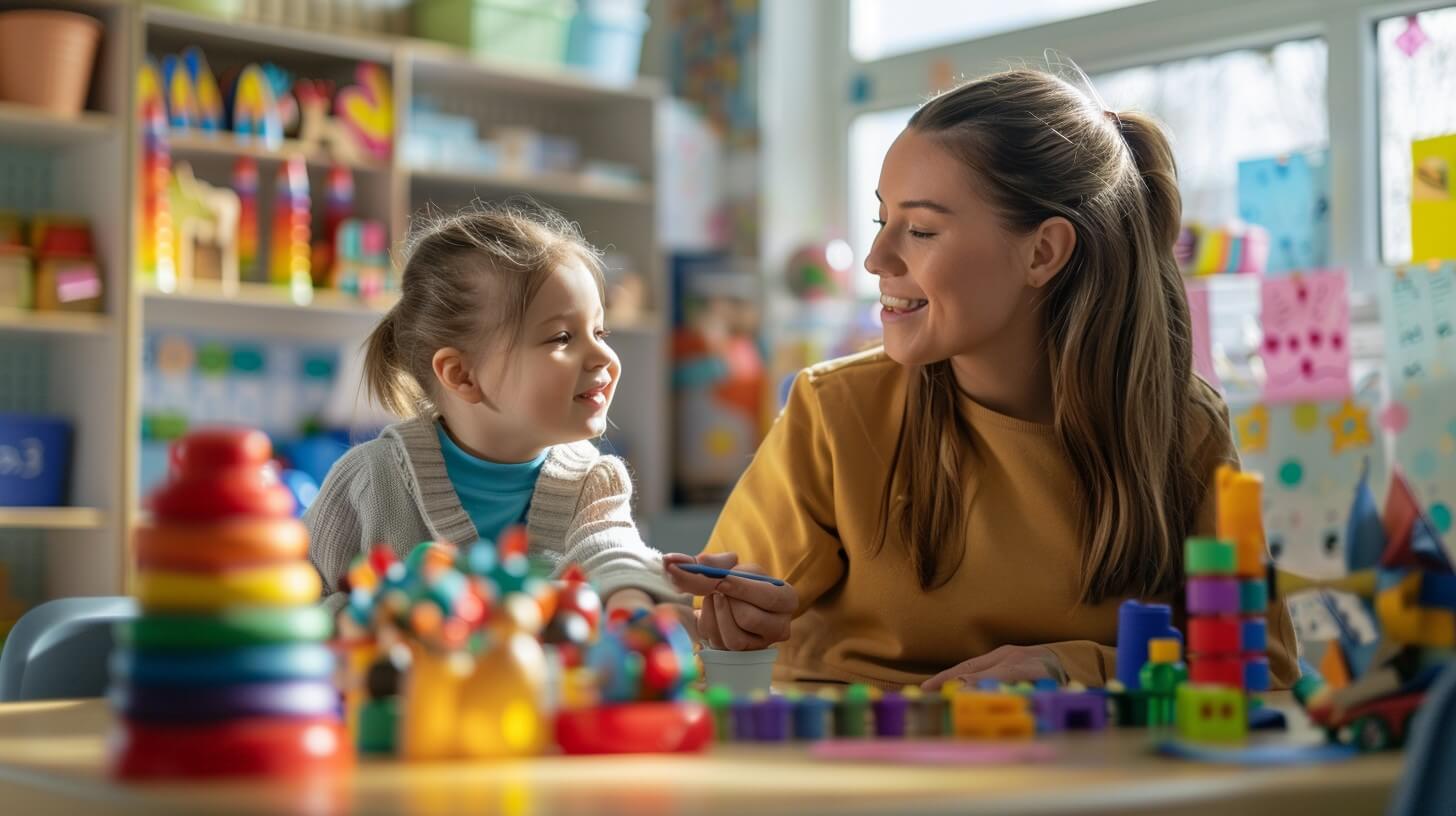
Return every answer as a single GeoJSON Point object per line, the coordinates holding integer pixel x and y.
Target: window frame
{"type": "Point", "coordinates": [1156, 32]}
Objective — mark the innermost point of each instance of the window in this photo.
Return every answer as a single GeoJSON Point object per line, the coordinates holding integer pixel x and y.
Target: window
{"type": "Point", "coordinates": [1222, 109]}
{"type": "Point", "coordinates": [884, 28]}
{"type": "Point", "coordinates": [1417, 58]}
{"type": "Point", "coordinates": [870, 137]}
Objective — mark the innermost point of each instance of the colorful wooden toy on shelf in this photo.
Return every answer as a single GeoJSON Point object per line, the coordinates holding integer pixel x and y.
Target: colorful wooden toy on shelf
{"type": "Point", "coordinates": [366, 112]}
{"type": "Point", "coordinates": [245, 186]}
{"type": "Point", "coordinates": [67, 275]}
{"type": "Point", "coordinates": [180, 94]}
{"type": "Point", "coordinates": [207, 219]}
{"type": "Point", "coordinates": [156, 240]}
{"type": "Point", "coordinates": [338, 208]}
{"type": "Point", "coordinates": [254, 107]}
{"type": "Point", "coordinates": [292, 221]}
{"type": "Point", "coordinates": [225, 672]}
{"type": "Point", "coordinates": [206, 97]}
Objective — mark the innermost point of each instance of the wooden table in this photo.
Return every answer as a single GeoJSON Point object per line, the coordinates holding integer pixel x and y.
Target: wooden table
{"type": "Point", "coordinates": [52, 760]}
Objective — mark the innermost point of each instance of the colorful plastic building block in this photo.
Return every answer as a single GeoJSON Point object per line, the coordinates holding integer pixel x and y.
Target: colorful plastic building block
{"type": "Point", "coordinates": [772, 720]}
{"type": "Point", "coordinates": [891, 712]}
{"type": "Point", "coordinates": [635, 728]}
{"type": "Point", "coordinates": [1211, 713]}
{"type": "Point", "coordinates": [1137, 623]}
{"type": "Point", "coordinates": [852, 712]}
{"type": "Point", "coordinates": [992, 715]}
{"type": "Point", "coordinates": [720, 707]}
{"type": "Point", "coordinates": [813, 715]}
{"type": "Point", "coordinates": [1070, 710]}
{"type": "Point", "coordinates": [1129, 706]}
{"type": "Point", "coordinates": [1161, 677]}
{"type": "Point", "coordinates": [1212, 636]}
{"type": "Point", "coordinates": [1213, 596]}
{"type": "Point", "coordinates": [1209, 557]}
{"type": "Point", "coordinates": [1240, 520]}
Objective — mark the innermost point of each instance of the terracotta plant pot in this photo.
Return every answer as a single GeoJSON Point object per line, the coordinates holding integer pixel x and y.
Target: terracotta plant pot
{"type": "Point", "coordinates": [46, 59]}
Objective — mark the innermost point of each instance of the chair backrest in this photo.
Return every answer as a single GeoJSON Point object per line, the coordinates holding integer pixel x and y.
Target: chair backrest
{"type": "Point", "coordinates": [60, 649]}
{"type": "Point", "coordinates": [1428, 785]}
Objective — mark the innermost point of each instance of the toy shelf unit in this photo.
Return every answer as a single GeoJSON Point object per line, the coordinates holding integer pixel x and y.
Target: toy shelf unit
{"type": "Point", "coordinates": [65, 83]}
{"type": "Point", "coordinates": [471, 130]}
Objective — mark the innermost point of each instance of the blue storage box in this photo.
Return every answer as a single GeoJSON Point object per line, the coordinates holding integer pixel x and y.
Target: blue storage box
{"type": "Point", "coordinates": [35, 460]}
{"type": "Point", "coordinates": [605, 40]}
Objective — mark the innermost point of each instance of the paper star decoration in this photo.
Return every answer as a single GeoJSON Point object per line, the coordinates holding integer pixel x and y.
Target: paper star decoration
{"type": "Point", "coordinates": [1253, 429]}
{"type": "Point", "coordinates": [1349, 427]}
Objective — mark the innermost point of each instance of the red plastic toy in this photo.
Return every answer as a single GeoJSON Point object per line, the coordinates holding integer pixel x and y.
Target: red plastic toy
{"type": "Point", "coordinates": [250, 747]}
{"type": "Point", "coordinates": [635, 728]}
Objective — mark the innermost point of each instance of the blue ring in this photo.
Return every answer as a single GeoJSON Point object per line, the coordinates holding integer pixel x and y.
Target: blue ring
{"type": "Point", "coordinates": [244, 664]}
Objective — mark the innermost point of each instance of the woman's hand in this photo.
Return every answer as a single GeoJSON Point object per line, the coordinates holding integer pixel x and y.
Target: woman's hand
{"type": "Point", "coordinates": [738, 614]}
{"type": "Point", "coordinates": [1005, 664]}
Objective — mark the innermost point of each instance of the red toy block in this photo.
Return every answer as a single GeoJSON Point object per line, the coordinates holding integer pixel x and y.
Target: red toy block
{"type": "Point", "coordinates": [1217, 671]}
{"type": "Point", "coordinates": [1214, 636]}
{"type": "Point", "coordinates": [208, 449]}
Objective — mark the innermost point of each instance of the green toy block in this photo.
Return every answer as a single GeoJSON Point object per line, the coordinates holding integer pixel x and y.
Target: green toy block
{"type": "Point", "coordinates": [1211, 713]}
{"type": "Point", "coordinates": [1208, 556]}
{"type": "Point", "coordinates": [1130, 707]}
{"type": "Point", "coordinates": [1161, 682]}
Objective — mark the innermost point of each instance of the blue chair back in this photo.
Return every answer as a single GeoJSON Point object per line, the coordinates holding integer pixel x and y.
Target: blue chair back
{"type": "Point", "coordinates": [1429, 784]}
{"type": "Point", "coordinates": [60, 649]}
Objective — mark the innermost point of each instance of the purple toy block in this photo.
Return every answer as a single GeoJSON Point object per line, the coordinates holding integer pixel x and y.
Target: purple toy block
{"type": "Point", "coordinates": [1213, 596]}
{"type": "Point", "coordinates": [745, 720]}
{"type": "Point", "coordinates": [1255, 635]}
{"type": "Point", "coordinates": [1070, 710]}
{"type": "Point", "coordinates": [890, 714]}
{"type": "Point", "coordinates": [1256, 674]}
{"type": "Point", "coordinates": [1137, 623]}
{"type": "Point", "coordinates": [771, 719]}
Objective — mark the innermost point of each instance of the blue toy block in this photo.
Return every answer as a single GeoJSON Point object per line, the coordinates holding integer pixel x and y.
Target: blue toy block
{"type": "Point", "coordinates": [988, 685]}
{"type": "Point", "coordinates": [1255, 635]}
{"type": "Point", "coordinates": [1046, 684]}
{"type": "Point", "coordinates": [1438, 591]}
{"type": "Point", "coordinates": [1264, 718]}
{"type": "Point", "coordinates": [811, 718]}
{"type": "Point", "coordinates": [1137, 623]}
{"type": "Point", "coordinates": [1256, 674]}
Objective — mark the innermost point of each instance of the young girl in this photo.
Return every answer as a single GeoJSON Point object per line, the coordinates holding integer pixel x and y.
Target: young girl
{"type": "Point", "coordinates": [1029, 448]}
{"type": "Point", "coordinates": [497, 349]}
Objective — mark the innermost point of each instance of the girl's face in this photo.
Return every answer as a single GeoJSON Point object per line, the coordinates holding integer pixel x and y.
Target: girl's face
{"type": "Point", "coordinates": [556, 384]}
{"type": "Point", "coordinates": [953, 280]}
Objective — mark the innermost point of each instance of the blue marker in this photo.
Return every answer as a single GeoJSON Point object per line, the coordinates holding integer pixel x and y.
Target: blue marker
{"type": "Point", "coordinates": [719, 572]}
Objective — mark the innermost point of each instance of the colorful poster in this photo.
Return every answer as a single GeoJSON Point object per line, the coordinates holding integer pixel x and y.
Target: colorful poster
{"type": "Point", "coordinates": [1433, 199]}
{"type": "Point", "coordinates": [1289, 196]}
{"type": "Point", "coordinates": [1198, 318]}
{"type": "Point", "coordinates": [1418, 311]}
{"type": "Point", "coordinates": [1306, 349]}
{"type": "Point", "coordinates": [1311, 455]}
{"type": "Point", "coordinates": [1422, 419]}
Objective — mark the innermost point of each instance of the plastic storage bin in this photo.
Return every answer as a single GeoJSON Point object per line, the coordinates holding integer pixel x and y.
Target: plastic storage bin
{"type": "Point", "coordinates": [527, 31]}
{"type": "Point", "coordinates": [35, 460]}
{"type": "Point", "coordinates": [605, 39]}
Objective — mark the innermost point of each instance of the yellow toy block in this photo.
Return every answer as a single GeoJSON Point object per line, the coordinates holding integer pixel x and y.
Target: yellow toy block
{"type": "Point", "coordinates": [1165, 650]}
{"type": "Point", "coordinates": [1240, 519]}
{"type": "Point", "coordinates": [992, 715]}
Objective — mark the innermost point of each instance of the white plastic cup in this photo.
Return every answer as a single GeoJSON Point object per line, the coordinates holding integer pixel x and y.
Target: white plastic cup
{"type": "Point", "coordinates": [740, 672]}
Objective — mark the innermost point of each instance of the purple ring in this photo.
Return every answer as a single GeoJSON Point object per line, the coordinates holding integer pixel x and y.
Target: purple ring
{"type": "Point", "coordinates": [210, 703]}
{"type": "Point", "coordinates": [1213, 596]}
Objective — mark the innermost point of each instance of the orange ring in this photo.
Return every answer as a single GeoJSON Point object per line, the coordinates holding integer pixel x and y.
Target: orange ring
{"type": "Point", "coordinates": [220, 545]}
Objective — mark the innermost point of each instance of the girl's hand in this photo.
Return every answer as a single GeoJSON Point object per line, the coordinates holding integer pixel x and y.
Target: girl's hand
{"type": "Point", "coordinates": [1006, 664]}
{"type": "Point", "coordinates": [737, 614]}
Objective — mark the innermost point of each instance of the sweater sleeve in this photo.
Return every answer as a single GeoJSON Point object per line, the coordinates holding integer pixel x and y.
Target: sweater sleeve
{"type": "Point", "coordinates": [780, 515]}
{"type": "Point", "coordinates": [603, 538]}
{"type": "Point", "coordinates": [1085, 661]}
{"type": "Point", "coordinates": [335, 532]}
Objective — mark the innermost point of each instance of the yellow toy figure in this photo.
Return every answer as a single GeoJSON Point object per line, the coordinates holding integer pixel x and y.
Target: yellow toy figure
{"type": "Point", "coordinates": [502, 705]}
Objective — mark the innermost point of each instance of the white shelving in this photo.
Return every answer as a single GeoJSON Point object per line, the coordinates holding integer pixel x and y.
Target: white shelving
{"type": "Point", "coordinates": [52, 518]}
{"type": "Point", "coordinates": [93, 162]}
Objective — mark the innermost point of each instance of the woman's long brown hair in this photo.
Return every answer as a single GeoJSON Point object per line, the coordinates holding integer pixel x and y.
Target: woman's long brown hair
{"type": "Point", "coordinates": [1116, 332]}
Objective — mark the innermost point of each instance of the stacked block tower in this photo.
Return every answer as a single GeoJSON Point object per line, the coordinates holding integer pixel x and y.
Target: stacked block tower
{"type": "Point", "coordinates": [1227, 597]}
{"type": "Point", "coordinates": [226, 672]}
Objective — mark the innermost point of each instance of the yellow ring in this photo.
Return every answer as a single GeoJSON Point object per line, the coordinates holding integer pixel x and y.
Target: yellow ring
{"type": "Point", "coordinates": [292, 584]}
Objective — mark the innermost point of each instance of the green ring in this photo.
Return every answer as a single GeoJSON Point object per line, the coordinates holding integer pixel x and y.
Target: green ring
{"type": "Point", "coordinates": [241, 626]}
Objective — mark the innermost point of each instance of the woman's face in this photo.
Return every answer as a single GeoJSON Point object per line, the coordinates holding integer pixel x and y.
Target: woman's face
{"type": "Point", "coordinates": [953, 279]}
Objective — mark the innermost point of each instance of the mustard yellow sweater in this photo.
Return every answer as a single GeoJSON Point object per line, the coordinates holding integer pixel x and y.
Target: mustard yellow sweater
{"type": "Point", "coordinates": [808, 510]}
